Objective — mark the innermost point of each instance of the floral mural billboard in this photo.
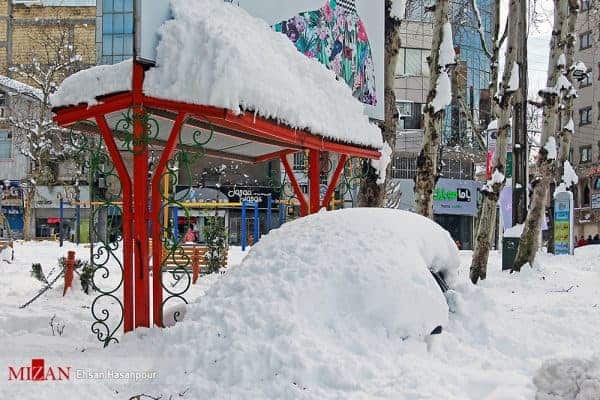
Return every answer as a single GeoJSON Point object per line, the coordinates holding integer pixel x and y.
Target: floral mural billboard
{"type": "Point", "coordinates": [347, 36]}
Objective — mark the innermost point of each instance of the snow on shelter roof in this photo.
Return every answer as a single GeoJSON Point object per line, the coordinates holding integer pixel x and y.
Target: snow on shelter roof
{"type": "Point", "coordinates": [214, 53]}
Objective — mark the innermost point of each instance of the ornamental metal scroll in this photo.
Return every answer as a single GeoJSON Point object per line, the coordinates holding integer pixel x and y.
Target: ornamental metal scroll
{"type": "Point", "coordinates": [176, 263]}
{"type": "Point", "coordinates": [105, 233]}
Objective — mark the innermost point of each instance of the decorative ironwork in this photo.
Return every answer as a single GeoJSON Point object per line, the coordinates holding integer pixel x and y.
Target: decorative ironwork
{"type": "Point", "coordinates": [105, 234]}
{"type": "Point", "coordinates": [176, 264]}
{"type": "Point", "coordinates": [124, 127]}
{"type": "Point", "coordinates": [354, 175]}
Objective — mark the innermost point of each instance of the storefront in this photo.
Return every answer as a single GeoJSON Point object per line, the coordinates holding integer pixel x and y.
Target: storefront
{"type": "Point", "coordinates": [194, 215]}
{"type": "Point", "coordinates": [455, 205]}
{"type": "Point", "coordinates": [12, 206]}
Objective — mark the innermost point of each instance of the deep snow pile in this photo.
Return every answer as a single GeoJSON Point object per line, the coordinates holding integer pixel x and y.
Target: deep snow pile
{"type": "Point", "coordinates": [568, 379]}
{"type": "Point", "coordinates": [318, 309]}
{"type": "Point", "coordinates": [214, 53]}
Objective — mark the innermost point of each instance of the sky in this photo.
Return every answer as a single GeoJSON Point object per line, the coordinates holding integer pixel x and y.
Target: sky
{"type": "Point", "coordinates": [538, 44]}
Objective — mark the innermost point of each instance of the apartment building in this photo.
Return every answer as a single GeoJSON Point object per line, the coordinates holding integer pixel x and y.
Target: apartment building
{"type": "Point", "coordinates": [585, 151]}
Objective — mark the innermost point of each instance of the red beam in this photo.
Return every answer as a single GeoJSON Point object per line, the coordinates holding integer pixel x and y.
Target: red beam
{"type": "Point", "coordinates": [274, 155]}
{"type": "Point", "coordinates": [334, 179]}
{"type": "Point", "coordinates": [297, 190]}
{"type": "Point", "coordinates": [113, 103]}
{"type": "Point", "coordinates": [314, 180]}
{"type": "Point", "coordinates": [246, 123]}
{"type": "Point", "coordinates": [166, 155]}
{"type": "Point", "coordinates": [113, 150]}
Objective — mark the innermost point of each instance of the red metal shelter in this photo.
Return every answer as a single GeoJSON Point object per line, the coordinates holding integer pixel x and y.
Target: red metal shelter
{"type": "Point", "coordinates": [246, 138]}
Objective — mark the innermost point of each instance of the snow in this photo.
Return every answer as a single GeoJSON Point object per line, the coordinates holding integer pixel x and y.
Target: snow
{"type": "Point", "coordinates": [86, 85]}
{"type": "Point", "coordinates": [579, 67]}
{"type": "Point", "coordinates": [569, 178]}
{"type": "Point", "coordinates": [215, 53]}
{"type": "Point", "coordinates": [513, 83]}
{"type": "Point", "coordinates": [562, 60]}
{"type": "Point", "coordinates": [21, 88]}
{"type": "Point", "coordinates": [514, 232]}
{"type": "Point", "coordinates": [497, 178]}
{"type": "Point", "coordinates": [381, 165]}
{"type": "Point", "coordinates": [550, 147]}
{"type": "Point", "coordinates": [493, 125]}
{"type": "Point", "coordinates": [443, 93]}
{"type": "Point", "coordinates": [568, 378]}
{"type": "Point", "coordinates": [570, 126]}
{"type": "Point", "coordinates": [447, 55]}
{"type": "Point", "coordinates": [398, 9]}
{"type": "Point", "coordinates": [513, 336]}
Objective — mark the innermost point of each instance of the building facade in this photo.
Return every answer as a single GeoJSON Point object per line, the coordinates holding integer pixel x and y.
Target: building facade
{"type": "Point", "coordinates": [585, 150]}
{"type": "Point", "coordinates": [470, 85]}
{"type": "Point", "coordinates": [29, 31]}
{"type": "Point", "coordinates": [26, 28]}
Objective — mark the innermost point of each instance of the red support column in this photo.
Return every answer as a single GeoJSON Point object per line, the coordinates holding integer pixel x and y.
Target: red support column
{"type": "Point", "coordinates": [140, 203]}
{"type": "Point", "coordinates": [167, 153]}
{"type": "Point", "coordinates": [115, 155]}
{"type": "Point", "coordinates": [297, 190]}
{"type": "Point", "coordinates": [69, 268]}
{"type": "Point", "coordinates": [335, 178]}
{"type": "Point", "coordinates": [314, 180]}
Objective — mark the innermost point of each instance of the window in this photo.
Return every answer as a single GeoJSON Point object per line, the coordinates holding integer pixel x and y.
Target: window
{"type": "Point", "coordinates": [412, 62]}
{"type": "Point", "coordinates": [597, 184]}
{"type": "Point", "coordinates": [299, 161]}
{"type": "Point", "coordinates": [404, 167]}
{"type": "Point", "coordinates": [117, 30]}
{"type": "Point", "coordinates": [585, 5]}
{"type": "Point", "coordinates": [587, 80]}
{"type": "Point", "coordinates": [599, 71]}
{"type": "Point", "coordinates": [585, 154]}
{"type": "Point", "coordinates": [5, 145]}
{"type": "Point", "coordinates": [2, 98]}
{"type": "Point", "coordinates": [585, 40]}
{"type": "Point", "coordinates": [404, 108]}
{"type": "Point", "coordinates": [585, 116]}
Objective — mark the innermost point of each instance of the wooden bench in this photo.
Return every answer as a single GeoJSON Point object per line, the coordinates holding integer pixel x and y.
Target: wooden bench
{"type": "Point", "coordinates": [184, 255]}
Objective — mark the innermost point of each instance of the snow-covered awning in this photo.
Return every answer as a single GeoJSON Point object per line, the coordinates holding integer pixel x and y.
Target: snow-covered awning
{"type": "Point", "coordinates": [213, 53]}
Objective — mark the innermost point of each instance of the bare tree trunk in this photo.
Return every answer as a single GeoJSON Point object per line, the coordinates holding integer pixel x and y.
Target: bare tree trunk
{"type": "Point", "coordinates": [546, 161]}
{"type": "Point", "coordinates": [566, 135]}
{"type": "Point", "coordinates": [372, 194]}
{"type": "Point", "coordinates": [427, 162]}
{"type": "Point", "coordinates": [503, 106]}
{"type": "Point", "coordinates": [28, 200]}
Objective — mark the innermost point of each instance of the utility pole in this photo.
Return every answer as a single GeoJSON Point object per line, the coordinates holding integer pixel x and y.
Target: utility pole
{"type": "Point", "coordinates": [520, 152]}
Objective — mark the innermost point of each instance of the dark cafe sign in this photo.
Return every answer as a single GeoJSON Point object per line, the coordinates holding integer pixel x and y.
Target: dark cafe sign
{"type": "Point", "coordinates": [238, 194]}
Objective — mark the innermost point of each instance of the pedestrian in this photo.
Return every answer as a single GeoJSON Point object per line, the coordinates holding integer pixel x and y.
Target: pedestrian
{"type": "Point", "coordinates": [581, 241]}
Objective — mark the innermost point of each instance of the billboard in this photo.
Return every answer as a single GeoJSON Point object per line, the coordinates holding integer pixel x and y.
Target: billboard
{"type": "Point", "coordinates": [563, 223]}
{"type": "Point", "coordinates": [456, 197]}
{"type": "Point", "coordinates": [347, 36]}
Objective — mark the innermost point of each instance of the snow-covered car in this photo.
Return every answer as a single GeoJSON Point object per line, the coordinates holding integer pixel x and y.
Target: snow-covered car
{"type": "Point", "coordinates": [323, 303]}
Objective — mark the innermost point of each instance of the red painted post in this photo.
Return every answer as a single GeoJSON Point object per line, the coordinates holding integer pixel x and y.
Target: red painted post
{"type": "Point", "coordinates": [334, 179]}
{"type": "Point", "coordinates": [157, 247]}
{"type": "Point", "coordinates": [314, 180]}
{"type": "Point", "coordinates": [140, 205]}
{"type": "Point", "coordinates": [127, 222]}
{"type": "Point", "coordinates": [195, 265]}
{"type": "Point", "coordinates": [297, 190]}
{"type": "Point", "coordinates": [69, 267]}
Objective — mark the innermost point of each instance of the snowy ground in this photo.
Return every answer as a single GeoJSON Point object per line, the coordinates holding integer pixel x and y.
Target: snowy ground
{"type": "Point", "coordinates": [501, 334]}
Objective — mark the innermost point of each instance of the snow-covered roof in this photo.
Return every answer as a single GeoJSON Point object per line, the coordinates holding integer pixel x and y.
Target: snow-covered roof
{"type": "Point", "coordinates": [214, 53]}
{"type": "Point", "coordinates": [20, 87]}
{"type": "Point", "coordinates": [58, 3]}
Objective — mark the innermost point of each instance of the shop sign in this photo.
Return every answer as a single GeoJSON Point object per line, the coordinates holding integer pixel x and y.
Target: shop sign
{"type": "Point", "coordinates": [455, 197]}
{"type": "Point", "coordinates": [260, 195]}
